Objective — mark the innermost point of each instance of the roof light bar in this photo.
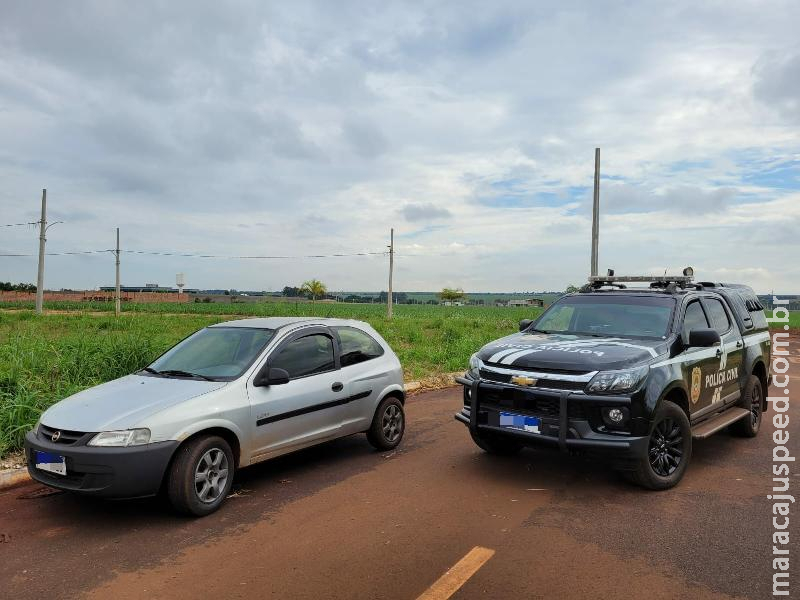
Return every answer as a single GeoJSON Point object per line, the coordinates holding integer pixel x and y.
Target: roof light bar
{"type": "Point", "coordinates": [655, 278]}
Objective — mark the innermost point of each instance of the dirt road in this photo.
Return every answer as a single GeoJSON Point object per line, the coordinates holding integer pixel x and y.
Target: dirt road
{"type": "Point", "coordinates": [342, 521]}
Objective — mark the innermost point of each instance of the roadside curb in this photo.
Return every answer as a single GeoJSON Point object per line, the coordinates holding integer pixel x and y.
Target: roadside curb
{"type": "Point", "coordinates": [13, 477]}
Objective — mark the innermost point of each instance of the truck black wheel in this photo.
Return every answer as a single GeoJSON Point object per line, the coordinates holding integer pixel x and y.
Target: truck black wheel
{"type": "Point", "coordinates": [752, 400]}
{"type": "Point", "coordinates": [388, 424]}
{"type": "Point", "coordinates": [200, 476]}
{"type": "Point", "coordinates": [668, 451]}
{"type": "Point", "coordinates": [496, 444]}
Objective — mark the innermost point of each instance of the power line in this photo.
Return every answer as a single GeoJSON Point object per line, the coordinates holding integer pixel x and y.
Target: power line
{"type": "Point", "coordinates": [190, 255]}
{"type": "Point", "coordinates": [20, 224]}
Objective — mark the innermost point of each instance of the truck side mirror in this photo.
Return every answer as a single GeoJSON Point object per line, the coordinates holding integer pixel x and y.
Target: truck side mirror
{"type": "Point", "coordinates": [524, 324]}
{"type": "Point", "coordinates": [704, 338]}
{"type": "Point", "coordinates": [271, 376]}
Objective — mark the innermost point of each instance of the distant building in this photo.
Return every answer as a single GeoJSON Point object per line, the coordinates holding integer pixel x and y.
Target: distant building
{"type": "Point", "coordinates": [526, 302]}
{"type": "Point", "coordinates": [148, 287]}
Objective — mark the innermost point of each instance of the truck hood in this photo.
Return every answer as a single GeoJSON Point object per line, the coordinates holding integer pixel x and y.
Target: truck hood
{"type": "Point", "coordinates": [570, 352]}
{"type": "Point", "coordinates": [123, 403]}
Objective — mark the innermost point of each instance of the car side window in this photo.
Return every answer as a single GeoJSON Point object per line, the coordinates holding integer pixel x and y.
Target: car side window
{"type": "Point", "coordinates": [306, 356]}
{"type": "Point", "coordinates": [694, 318]}
{"type": "Point", "coordinates": [356, 346]}
{"type": "Point", "coordinates": [718, 315]}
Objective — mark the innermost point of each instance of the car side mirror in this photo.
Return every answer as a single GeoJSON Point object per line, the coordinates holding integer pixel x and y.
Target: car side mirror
{"type": "Point", "coordinates": [524, 324]}
{"type": "Point", "coordinates": [271, 376]}
{"type": "Point", "coordinates": [704, 338]}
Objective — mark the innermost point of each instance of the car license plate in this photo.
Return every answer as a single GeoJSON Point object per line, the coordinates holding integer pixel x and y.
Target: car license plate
{"type": "Point", "coordinates": [522, 422]}
{"type": "Point", "coordinates": [54, 463]}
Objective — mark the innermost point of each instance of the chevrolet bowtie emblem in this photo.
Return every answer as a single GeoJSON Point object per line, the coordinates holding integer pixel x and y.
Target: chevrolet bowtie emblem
{"type": "Point", "coordinates": [522, 380]}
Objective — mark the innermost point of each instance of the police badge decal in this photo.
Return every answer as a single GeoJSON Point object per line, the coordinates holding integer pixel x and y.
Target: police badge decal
{"type": "Point", "coordinates": [695, 385]}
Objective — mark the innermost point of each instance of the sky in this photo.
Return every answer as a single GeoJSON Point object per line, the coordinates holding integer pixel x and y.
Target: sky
{"type": "Point", "coordinates": [312, 128]}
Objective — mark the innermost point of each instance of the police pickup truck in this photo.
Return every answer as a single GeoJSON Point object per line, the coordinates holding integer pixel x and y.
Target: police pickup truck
{"type": "Point", "coordinates": [632, 373]}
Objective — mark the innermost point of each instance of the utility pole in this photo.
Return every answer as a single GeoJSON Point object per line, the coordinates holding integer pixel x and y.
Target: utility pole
{"type": "Point", "coordinates": [391, 272]}
{"type": "Point", "coordinates": [596, 211]}
{"type": "Point", "coordinates": [116, 294]}
{"type": "Point", "coordinates": [42, 239]}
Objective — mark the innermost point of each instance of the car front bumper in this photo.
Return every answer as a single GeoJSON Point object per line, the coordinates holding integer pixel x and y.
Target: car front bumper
{"type": "Point", "coordinates": [560, 431]}
{"type": "Point", "coordinates": [129, 472]}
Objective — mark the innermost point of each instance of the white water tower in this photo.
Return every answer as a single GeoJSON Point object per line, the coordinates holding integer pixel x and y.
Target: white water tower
{"type": "Point", "coordinates": [180, 281]}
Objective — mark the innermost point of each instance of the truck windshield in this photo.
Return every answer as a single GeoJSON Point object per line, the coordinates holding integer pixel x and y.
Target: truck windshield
{"type": "Point", "coordinates": [609, 316]}
{"type": "Point", "coordinates": [215, 353]}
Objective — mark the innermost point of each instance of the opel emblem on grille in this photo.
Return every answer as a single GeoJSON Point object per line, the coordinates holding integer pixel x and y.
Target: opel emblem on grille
{"type": "Point", "coordinates": [55, 437]}
{"type": "Point", "coordinates": [522, 380]}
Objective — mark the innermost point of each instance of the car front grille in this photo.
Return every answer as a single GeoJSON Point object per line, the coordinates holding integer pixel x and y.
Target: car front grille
{"type": "Point", "coordinates": [64, 436]}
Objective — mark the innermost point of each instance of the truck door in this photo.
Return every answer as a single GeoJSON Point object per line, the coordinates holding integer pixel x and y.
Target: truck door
{"type": "Point", "coordinates": [698, 364]}
{"type": "Point", "coordinates": [725, 382]}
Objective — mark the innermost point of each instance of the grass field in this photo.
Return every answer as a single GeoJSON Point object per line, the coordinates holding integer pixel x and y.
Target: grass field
{"type": "Point", "coordinates": [45, 359]}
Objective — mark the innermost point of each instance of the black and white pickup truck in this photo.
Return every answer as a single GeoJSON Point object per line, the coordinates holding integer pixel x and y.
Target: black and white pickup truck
{"type": "Point", "coordinates": [631, 373]}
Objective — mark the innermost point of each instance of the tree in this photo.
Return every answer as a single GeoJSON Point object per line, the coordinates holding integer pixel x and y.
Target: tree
{"type": "Point", "coordinates": [292, 292]}
{"type": "Point", "coordinates": [313, 288]}
{"type": "Point", "coordinates": [572, 289]}
{"type": "Point", "coordinates": [452, 294]}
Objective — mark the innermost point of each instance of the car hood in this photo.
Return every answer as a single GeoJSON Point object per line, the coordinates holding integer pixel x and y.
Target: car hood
{"type": "Point", "coordinates": [570, 352]}
{"type": "Point", "coordinates": [123, 403]}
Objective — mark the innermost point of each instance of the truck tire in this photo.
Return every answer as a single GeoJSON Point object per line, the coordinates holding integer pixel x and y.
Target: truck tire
{"type": "Point", "coordinates": [388, 424]}
{"type": "Point", "coordinates": [751, 400]}
{"type": "Point", "coordinates": [497, 445]}
{"type": "Point", "coordinates": [668, 450]}
{"type": "Point", "coordinates": [200, 476]}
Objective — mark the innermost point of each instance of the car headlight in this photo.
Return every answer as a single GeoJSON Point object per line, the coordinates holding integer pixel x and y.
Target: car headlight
{"type": "Point", "coordinates": [127, 437]}
{"type": "Point", "coordinates": [615, 382]}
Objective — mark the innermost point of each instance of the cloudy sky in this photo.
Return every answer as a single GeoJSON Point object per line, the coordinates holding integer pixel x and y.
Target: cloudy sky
{"type": "Point", "coordinates": [299, 128]}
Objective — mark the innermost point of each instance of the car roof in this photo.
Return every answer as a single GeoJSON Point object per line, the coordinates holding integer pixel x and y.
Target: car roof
{"type": "Point", "coordinates": [280, 322]}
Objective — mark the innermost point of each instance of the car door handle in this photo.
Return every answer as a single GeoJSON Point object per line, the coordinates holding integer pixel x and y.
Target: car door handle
{"type": "Point", "coordinates": [337, 387]}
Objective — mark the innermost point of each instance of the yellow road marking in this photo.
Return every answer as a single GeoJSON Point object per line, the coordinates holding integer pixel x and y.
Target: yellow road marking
{"type": "Point", "coordinates": [457, 575]}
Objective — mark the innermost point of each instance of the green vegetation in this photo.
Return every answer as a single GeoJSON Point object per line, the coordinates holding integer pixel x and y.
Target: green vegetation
{"type": "Point", "coordinates": [48, 358]}
{"type": "Point", "coordinates": [45, 359]}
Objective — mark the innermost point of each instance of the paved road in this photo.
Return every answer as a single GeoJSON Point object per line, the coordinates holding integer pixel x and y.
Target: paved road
{"type": "Point", "coordinates": [342, 521]}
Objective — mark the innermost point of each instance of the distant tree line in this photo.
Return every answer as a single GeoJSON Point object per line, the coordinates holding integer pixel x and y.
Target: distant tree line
{"type": "Point", "coordinates": [7, 286]}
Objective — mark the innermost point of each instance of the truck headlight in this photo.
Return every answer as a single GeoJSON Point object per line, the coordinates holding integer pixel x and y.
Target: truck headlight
{"type": "Point", "coordinates": [615, 382]}
{"type": "Point", "coordinates": [474, 362]}
{"type": "Point", "coordinates": [127, 437]}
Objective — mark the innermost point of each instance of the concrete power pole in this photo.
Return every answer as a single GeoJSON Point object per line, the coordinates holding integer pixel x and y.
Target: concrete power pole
{"type": "Point", "coordinates": [596, 211]}
{"type": "Point", "coordinates": [42, 239]}
{"type": "Point", "coordinates": [117, 308]}
{"type": "Point", "coordinates": [391, 272]}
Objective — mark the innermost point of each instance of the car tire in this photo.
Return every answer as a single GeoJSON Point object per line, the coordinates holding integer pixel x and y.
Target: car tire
{"type": "Point", "coordinates": [497, 445]}
{"type": "Point", "coordinates": [200, 476]}
{"type": "Point", "coordinates": [388, 424]}
{"type": "Point", "coordinates": [670, 440]}
{"type": "Point", "coordinates": [752, 400]}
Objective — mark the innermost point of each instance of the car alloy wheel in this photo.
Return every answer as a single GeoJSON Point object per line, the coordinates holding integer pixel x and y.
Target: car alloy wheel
{"type": "Point", "coordinates": [392, 423]}
{"type": "Point", "coordinates": [755, 407]}
{"type": "Point", "coordinates": [211, 475]}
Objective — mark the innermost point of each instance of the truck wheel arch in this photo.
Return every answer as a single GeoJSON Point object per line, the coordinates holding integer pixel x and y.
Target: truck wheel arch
{"type": "Point", "coordinates": [760, 370]}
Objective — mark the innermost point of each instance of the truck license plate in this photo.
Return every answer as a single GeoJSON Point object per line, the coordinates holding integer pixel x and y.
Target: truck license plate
{"type": "Point", "coordinates": [521, 422]}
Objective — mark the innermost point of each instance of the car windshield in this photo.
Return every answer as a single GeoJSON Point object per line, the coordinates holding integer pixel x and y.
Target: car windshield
{"type": "Point", "coordinates": [609, 316]}
{"type": "Point", "coordinates": [216, 353]}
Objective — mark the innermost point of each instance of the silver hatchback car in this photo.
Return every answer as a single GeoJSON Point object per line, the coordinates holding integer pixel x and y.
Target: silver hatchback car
{"type": "Point", "coordinates": [228, 396]}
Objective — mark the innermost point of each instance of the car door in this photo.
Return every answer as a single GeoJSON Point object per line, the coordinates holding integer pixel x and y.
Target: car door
{"type": "Point", "coordinates": [726, 379]}
{"type": "Point", "coordinates": [308, 408]}
{"type": "Point", "coordinates": [362, 373]}
{"type": "Point", "coordinates": [698, 364]}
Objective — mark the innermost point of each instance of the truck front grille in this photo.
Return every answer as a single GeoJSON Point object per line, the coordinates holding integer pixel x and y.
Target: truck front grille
{"type": "Point", "coordinates": [552, 384]}
{"type": "Point", "coordinates": [528, 402]}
